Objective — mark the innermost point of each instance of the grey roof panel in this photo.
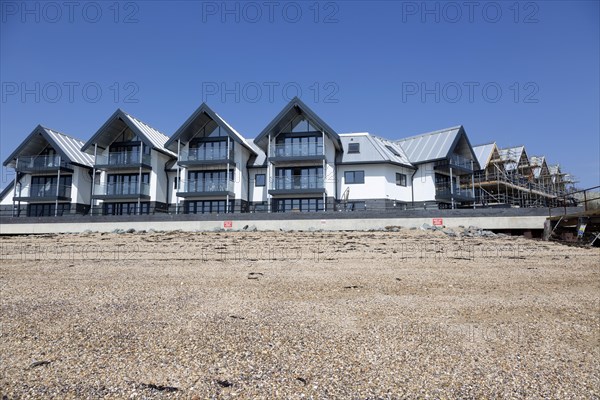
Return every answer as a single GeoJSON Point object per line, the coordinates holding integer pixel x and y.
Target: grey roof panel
{"type": "Point", "coordinates": [68, 147]}
{"type": "Point", "coordinates": [108, 131]}
{"type": "Point", "coordinates": [484, 152]}
{"type": "Point", "coordinates": [372, 149]}
{"type": "Point", "coordinates": [430, 146]}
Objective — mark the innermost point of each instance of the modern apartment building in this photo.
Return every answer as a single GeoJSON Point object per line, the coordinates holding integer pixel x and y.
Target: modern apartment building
{"type": "Point", "coordinates": [297, 163]}
{"type": "Point", "coordinates": [52, 176]}
{"type": "Point", "coordinates": [129, 159]}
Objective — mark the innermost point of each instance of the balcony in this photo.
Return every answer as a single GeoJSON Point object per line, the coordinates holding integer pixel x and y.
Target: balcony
{"type": "Point", "coordinates": [197, 157]}
{"type": "Point", "coordinates": [457, 163]}
{"type": "Point", "coordinates": [46, 163]}
{"type": "Point", "coordinates": [310, 152]}
{"type": "Point", "coordinates": [123, 160]}
{"type": "Point", "coordinates": [206, 188]}
{"type": "Point", "coordinates": [298, 184]}
{"type": "Point", "coordinates": [118, 190]}
{"type": "Point", "coordinates": [443, 192]}
{"type": "Point", "coordinates": [43, 192]}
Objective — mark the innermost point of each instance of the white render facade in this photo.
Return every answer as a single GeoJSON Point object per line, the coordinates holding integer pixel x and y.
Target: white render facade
{"type": "Point", "coordinates": [298, 163]}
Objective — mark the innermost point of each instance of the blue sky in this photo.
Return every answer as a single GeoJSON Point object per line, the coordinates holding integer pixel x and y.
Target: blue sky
{"type": "Point", "coordinates": [511, 72]}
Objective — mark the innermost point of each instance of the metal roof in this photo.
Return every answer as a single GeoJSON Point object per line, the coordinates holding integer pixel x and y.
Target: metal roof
{"type": "Point", "coordinates": [68, 147]}
{"type": "Point", "coordinates": [199, 118]}
{"type": "Point", "coordinates": [294, 108]}
{"type": "Point", "coordinates": [484, 152]}
{"type": "Point", "coordinates": [373, 149]}
{"type": "Point", "coordinates": [117, 122]}
{"type": "Point", "coordinates": [431, 146]}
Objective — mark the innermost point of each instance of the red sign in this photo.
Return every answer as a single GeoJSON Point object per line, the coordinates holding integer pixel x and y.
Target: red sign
{"type": "Point", "coordinates": [438, 221]}
{"type": "Point", "coordinates": [227, 224]}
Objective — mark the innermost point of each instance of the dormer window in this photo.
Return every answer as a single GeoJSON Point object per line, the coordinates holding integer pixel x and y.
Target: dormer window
{"type": "Point", "coordinates": [353, 148]}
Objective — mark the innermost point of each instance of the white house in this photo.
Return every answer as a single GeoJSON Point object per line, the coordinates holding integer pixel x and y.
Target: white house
{"type": "Point", "coordinates": [130, 162]}
{"type": "Point", "coordinates": [211, 174]}
{"type": "Point", "coordinates": [52, 176]}
{"type": "Point", "coordinates": [300, 171]}
{"type": "Point", "coordinates": [373, 173]}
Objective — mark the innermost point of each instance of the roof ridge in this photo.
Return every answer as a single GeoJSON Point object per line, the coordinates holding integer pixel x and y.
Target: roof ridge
{"type": "Point", "coordinates": [431, 133]}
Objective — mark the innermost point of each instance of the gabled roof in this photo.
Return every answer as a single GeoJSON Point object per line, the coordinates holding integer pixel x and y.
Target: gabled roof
{"type": "Point", "coordinates": [512, 156]}
{"type": "Point", "coordinates": [538, 164]}
{"type": "Point", "coordinates": [484, 153]}
{"type": "Point", "coordinates": [294, 108]}
{"type": "Point", "coordinates": [373, 149]}
{"type": "Point", "coordinates": [112, 128]}
{"type": "Point", "coordinates": [68, 147]}
{"type": "Point", "coordinates": [511, 153]}
{"type": "Point", "coordinates": [433, 146]}
{"type": "Point", "coordinates": [196, 121]}
{"type": "Point", "coordinates": [554, 169]}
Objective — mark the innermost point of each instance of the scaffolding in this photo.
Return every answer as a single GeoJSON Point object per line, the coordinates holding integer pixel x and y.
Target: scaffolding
{"type": "Point", "coordinates": [510, 179]}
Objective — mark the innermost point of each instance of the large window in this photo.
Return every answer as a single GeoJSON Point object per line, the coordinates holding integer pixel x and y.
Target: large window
{"type": "Point", "coordinates": [299, 205]}
{"type": "Point", "coordinates": [400, 179]}
{"type": "Point", "coordinates": [207, 207]}
{"type": "Point", "coordinates": [47, 210]}
{"type": "Point", "coordinates": [45, 186]}
{"type": "Point", "coordinates": [119, 184]}
{"type": "Point", "coordinates": [289, 145]}
{"type": "Point", "coordinates": [209, 149]}
{"type": "Point", "coordinates": [209, 181]}
{"type": "Point", "coordinates": [354, 177]}
{"type": "Point", "coordinates": [129, 208]}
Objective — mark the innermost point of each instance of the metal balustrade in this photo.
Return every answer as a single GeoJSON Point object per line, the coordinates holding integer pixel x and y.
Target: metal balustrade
{"type": "Point", "coordinates": [47, 190]}
{"type": "Point", "coordinates": [122, 189]}
{"type": "Point", "coordinates": [206, 186]}
{"type": "Point", "coordinates": [297, 150]}
{"type": "Point", "coordinates": [123, 158]}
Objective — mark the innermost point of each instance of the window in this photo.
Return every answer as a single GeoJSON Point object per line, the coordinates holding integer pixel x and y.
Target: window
{"type": "Point", "coordinates": [299, 178]}
{"type": "Point", "coordinates": [352, 177]}
{"type": "Point", "coordinates": [260, 180]}
{"type": "Point", "coordinates": [130, 208]}
{"type": "Point", "coordinates": [207, 207]}
{"type": "Point", "coordinates": [353, 148]}
{"type": "Point", "coordinates": [393, 150]}
{"type": "Point", "coordinates": [298, 205]}
{"type": "Point", "coordinates": [400, 179]}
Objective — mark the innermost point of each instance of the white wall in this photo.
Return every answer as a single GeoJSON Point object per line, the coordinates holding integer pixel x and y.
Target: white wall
{"type": "Point", "coordinates": [424, 183]}
{"type": "Point", "coordinates": [158, 177]}
{"type": "Point", "coordinates": [82, 186]}
{"type": "Point", "coordinates": [257, 194]}
{"type": "Point", "coordinates": [380, 182]}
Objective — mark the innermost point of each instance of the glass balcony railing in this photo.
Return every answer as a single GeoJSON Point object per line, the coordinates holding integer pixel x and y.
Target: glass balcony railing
{"type": "Point", "coordinates": [123, 158]}
{"type": "Point", "coordinates": [299, 150]}
{"type": "Point", "coordinates": [445, 192]}
{"type": "Point", "coordinates": [456, 160]}
{"type": "Point", "coordinates": [122, 189]}
{"type": "Point", "coordinates": [44, 190]}
{"type": "Point", "coordinates": [203, 154]}
{"type": "Point", "coordinates": [28, 163]}
{"type": "Point", "coordinates": [207, 186]}
{"type": "Point", "coordinates": [298, 182]}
